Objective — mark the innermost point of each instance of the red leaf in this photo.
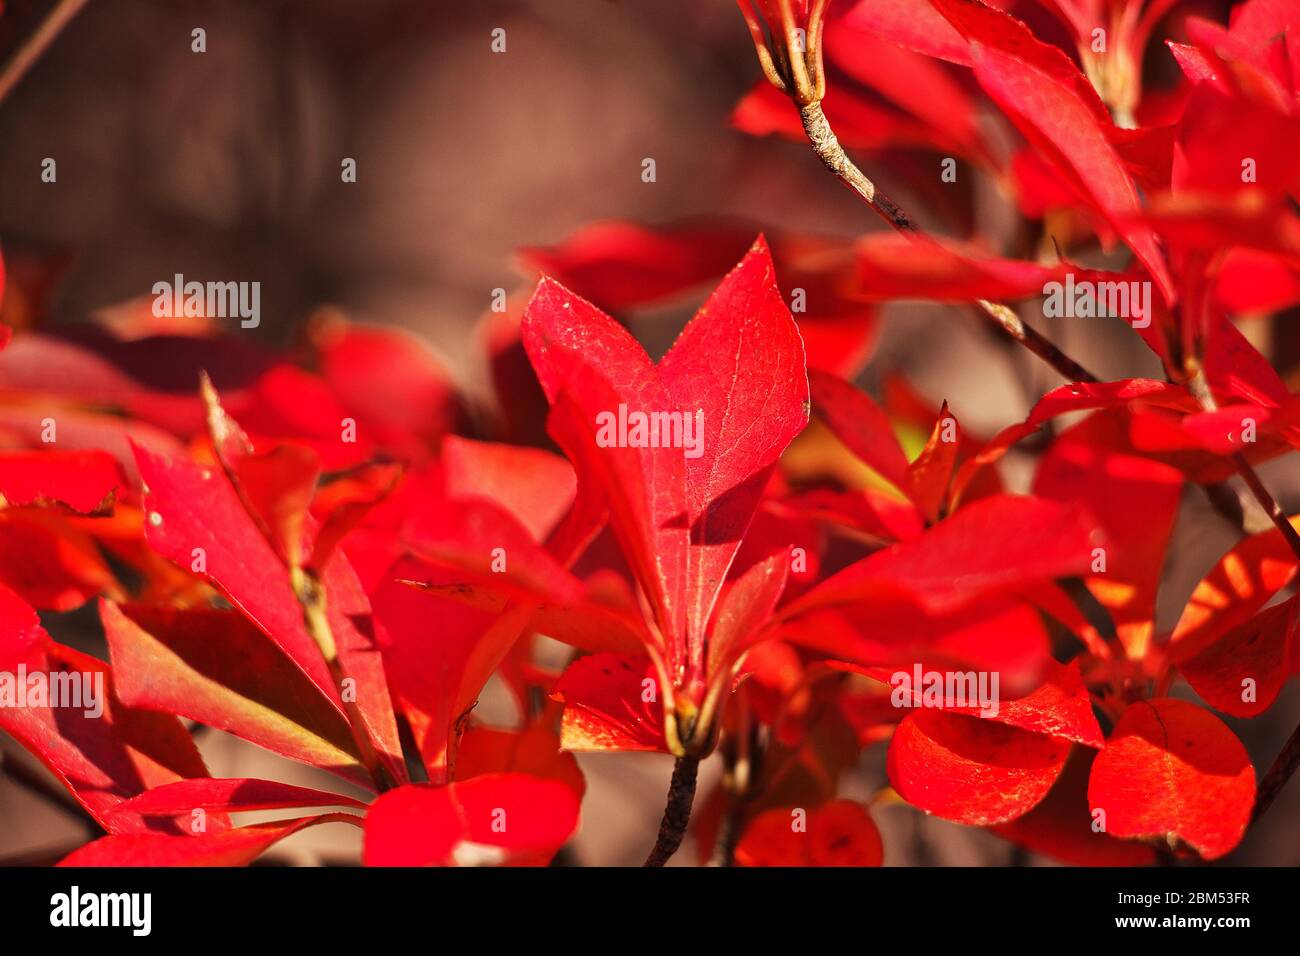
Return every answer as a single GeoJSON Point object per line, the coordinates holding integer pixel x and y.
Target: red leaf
{"type": "Point", "coordinates": [606, 706]}
{"type": "Point", "coordinates": [1058, 111]}
{"type": "Point", "coordinates": [1243, 671]}
{"type": "Point", "coordinates": [588, 365]}
{"type": "Point", "coordinates": [679, 520]}
{"type": "Point", "coordinates": [276, 486]}
{"type": "Point", "coordinates": [216, 668]}
{"type": "Point", "coordinates": [1235, 589]}
{"type": "Point", "coordinates": [534, 486]}
{"type": "Point", "coordinates": [753, 407]}
{"type": "Point", "coordinates": [189, 508]}
{"type": "Point", "coordinates": [230, 795]}
{"type": "Point", "coordinates": [84, 481]}
{"type": "Point", "coordinates": [991, 546]}
{"type": "Point", "coordinates": [101, 759]}
{"type": "Point", "coordinates": [436, 689]}
{"type": "Point", "coordinates": [1171, 769]}
{"type": "Point", "coordinates": [746, 605]}
{"type": "Point", "coordinates": [619, 265]}
{"type": "Point", "coordinates": [484, 544]}
{"type": "Point", "coordinates": [1135, 502]}
{"type": "Point", "coordinates": [1059, 707]}
{"type": "Point", "coordinates": [1081, 396]}
{"type": "Point", "coordinates": [625, 265]}
{"type": "Point", "coordinates": [929, 475]}
{"type": "Point", "coordinates": [861, 425]}
{"type": "Point", "coordinates": [916, 26]}
{"type": "Point", "coordinates": [48, 562]}
{"type": "Point", "coordinates": [497, 819]}
{"type": "Point", "coordinates": [195, 513]}
{"type": "Point", "coordinates": [839, 833]}
{"type": "Point", "coordinates": [1062, 827]}
{"type": "Point", "coordinates": [890, 266]}
{"type": "Point", "coordinates": [535, 750]}
{"type": "Point", "coordinates": [913, 82]}
{"type": "Point", "coordinates": [236, 847]}
{"type": "Point", "coordinates": [970, 770]}
{"type": "Point", "coordinates": [399, 392]}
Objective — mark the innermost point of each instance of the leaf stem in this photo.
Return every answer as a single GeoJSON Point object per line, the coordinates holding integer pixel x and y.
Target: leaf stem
{"type": "Point", "coordinates": [677, 811]}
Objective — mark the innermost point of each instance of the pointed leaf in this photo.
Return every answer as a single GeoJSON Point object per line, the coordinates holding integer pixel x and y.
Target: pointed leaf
{"type": "Point", "coordinates": [230, 795]}
{"type": "Point", "coordinates": [235, 847]}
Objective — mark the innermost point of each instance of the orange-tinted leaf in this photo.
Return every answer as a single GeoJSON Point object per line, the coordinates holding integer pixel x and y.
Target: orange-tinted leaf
{"type": "Point", "coordinates": [216, 668]}
{"type": "Point", "coordinates": [1243, 671]}
{"type": "Point", "coordinates": [971, 770]}
{"type": "Point", "coordinates": [439, 653]}
{"type": "Point", "coordinates": [611, 703]}
{"type": "Point", "coordinates": [1171, 769]}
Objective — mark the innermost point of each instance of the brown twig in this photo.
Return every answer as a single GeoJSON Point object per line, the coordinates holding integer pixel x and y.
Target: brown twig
{"type": "Point", "coordinates": [677, 811]}
{"type": "Point", "coordinates": [1278, 774]}
{"type": "Point", "coordinates": [36, 44]}
{"type": "Point", "coordinates": [729, 829]}
{"type": "Point", "coordinates": [828, 149]}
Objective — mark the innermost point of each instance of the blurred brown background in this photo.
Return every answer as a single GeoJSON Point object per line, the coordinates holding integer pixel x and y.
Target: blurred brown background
{"type": "Point", "coordinates": [227, 164]}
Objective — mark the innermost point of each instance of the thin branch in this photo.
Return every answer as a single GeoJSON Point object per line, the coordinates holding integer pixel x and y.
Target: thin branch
{"type": "Point", "coordinates": [1199, 386]}
{"type": "Point", "coordinates": [36, 44]}
{"type": "Point", "coordinates": [1267, 502]}
{"type": "Point", "coordinates": [677, 811]}
{"type": "Point", "coordinates": [1283, 767]}
{"type": "Point", "coordinates": [827, 147]}
{"type": "Point", "coordinates": [728, 838]}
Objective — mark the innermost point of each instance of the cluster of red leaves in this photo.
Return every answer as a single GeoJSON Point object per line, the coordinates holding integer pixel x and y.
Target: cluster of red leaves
{"type": "Point", "coordinates": [305, 553]}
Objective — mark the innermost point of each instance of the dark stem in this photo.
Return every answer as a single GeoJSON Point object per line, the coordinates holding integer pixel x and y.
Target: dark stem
{"type": "Point", "coordinates": [677, 811]}
{"type": "Point", "coordinates": [724, 848]}
{"type": "Point", "coordinates": [1283, 767]}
